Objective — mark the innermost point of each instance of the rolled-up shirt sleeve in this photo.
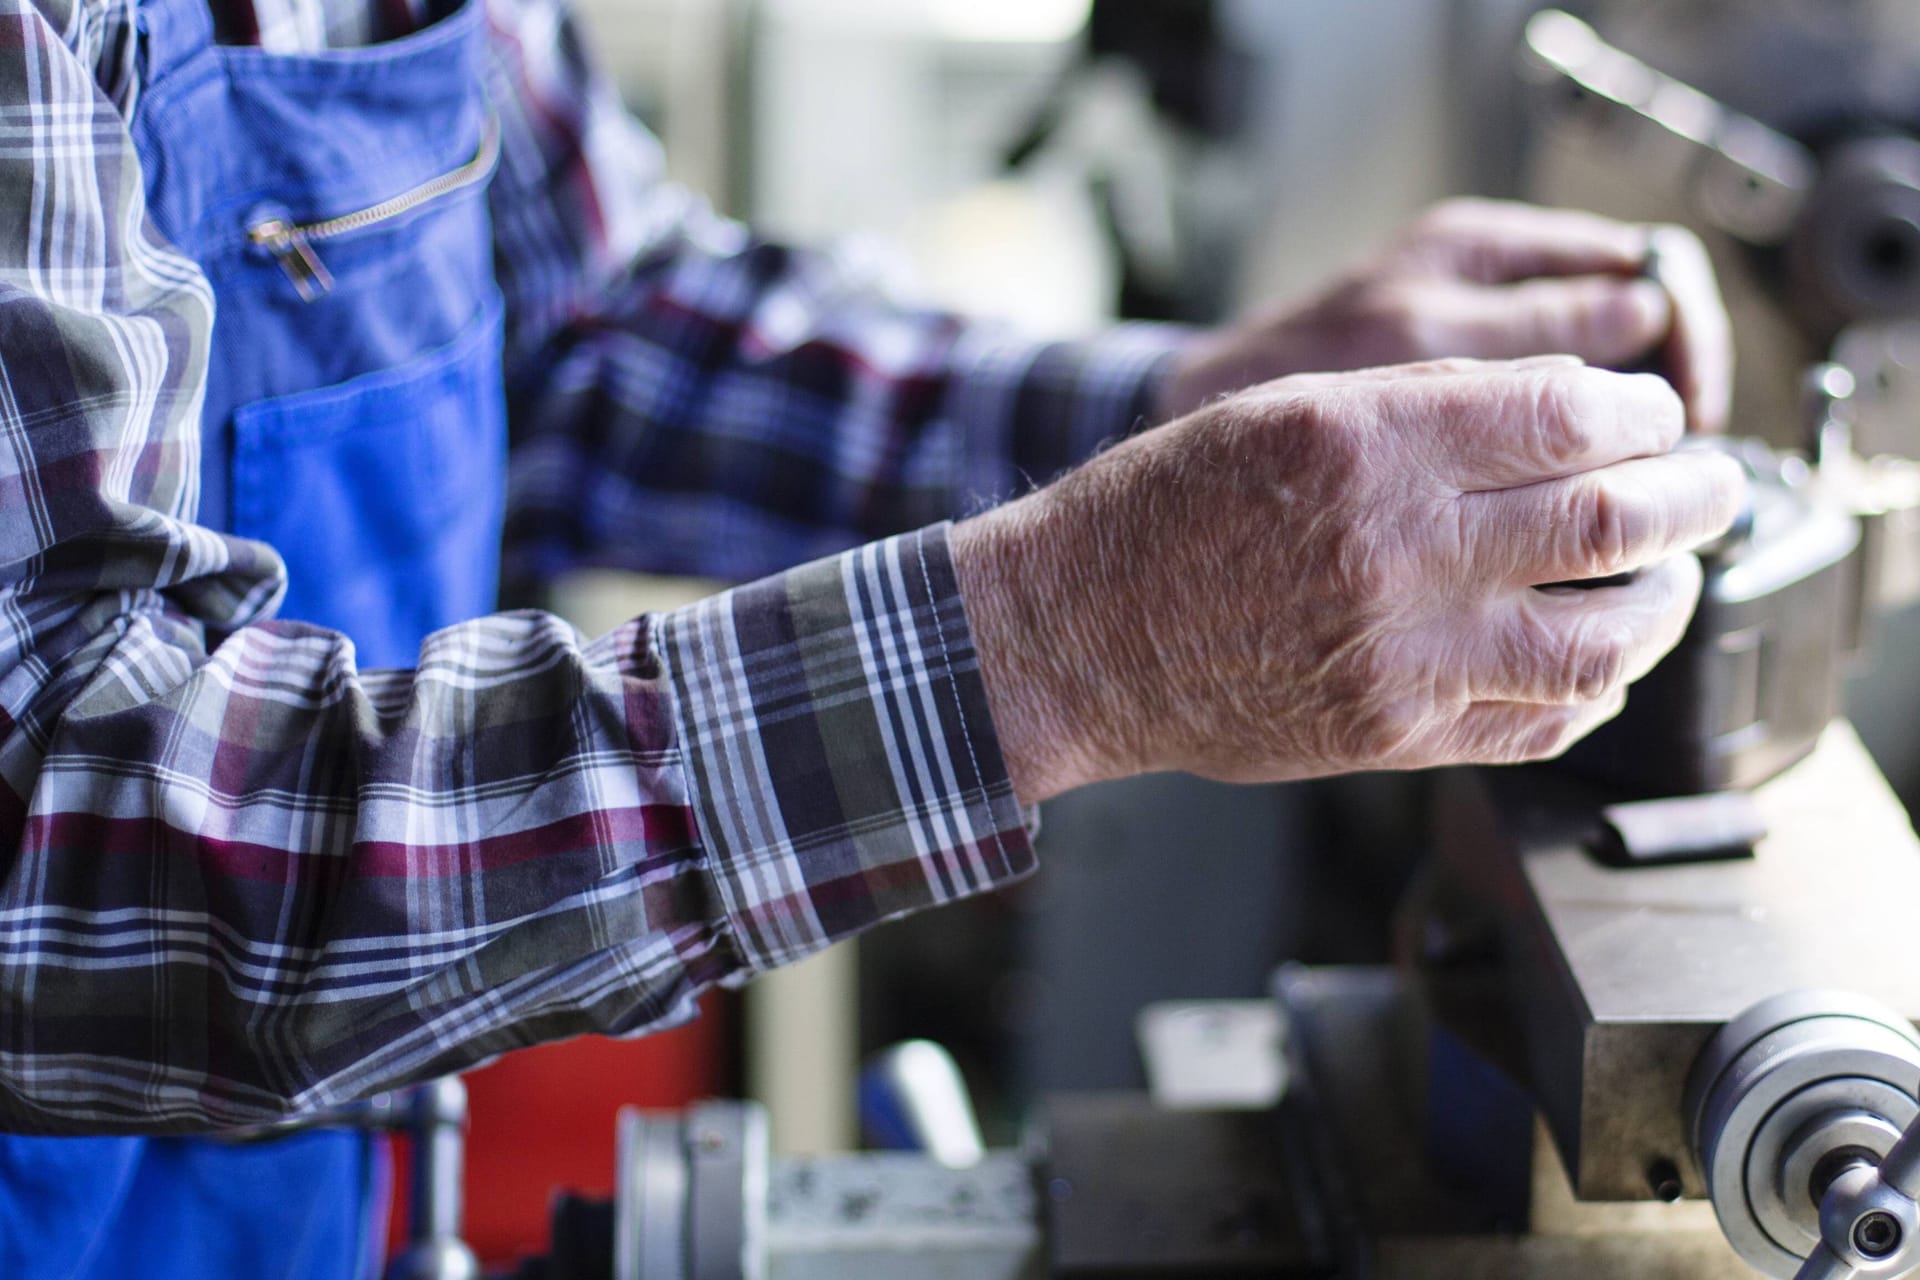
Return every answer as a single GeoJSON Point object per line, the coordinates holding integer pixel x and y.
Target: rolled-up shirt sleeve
{"type": "Point", "coordinates": [241, 877]}
{"type": "Point", "coordinates": [842, 757]}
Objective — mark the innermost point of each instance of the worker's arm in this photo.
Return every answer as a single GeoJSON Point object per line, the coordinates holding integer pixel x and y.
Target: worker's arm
{"type": "Point", "coordinates": [688, 396]}
{"type": "Point", "coordinates": [241, 877]}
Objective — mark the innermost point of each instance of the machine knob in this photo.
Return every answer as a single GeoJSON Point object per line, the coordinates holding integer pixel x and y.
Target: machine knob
{"type": "Point", "coordinates": [1784, 1105]}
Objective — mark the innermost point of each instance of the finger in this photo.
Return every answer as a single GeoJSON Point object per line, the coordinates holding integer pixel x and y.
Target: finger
{"type": "Point", "coordinates": [1295, 382]}
{"type": "Point", "coordinates": [1514, 732]}
{"type": "Point", "coordinates": [1602, 319]}
{"type": "Point", "coordinates": [1500, 241]}
{"type": "Point", "coordinates": [1500, 427]}
{"type": "Point", "coordinates": [1568, 647]}
{"type": "Point", "coordinates": [1698, 352]}
{"type": "Point", "coordinates": [1607, 521]}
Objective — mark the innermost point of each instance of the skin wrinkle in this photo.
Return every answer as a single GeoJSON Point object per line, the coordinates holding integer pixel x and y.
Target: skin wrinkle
{"type": "Point", "coordinates": [1271, 588]}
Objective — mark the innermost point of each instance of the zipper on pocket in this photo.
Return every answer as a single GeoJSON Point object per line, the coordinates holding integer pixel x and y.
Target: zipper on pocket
{"type": "Point", "coordinates": [291, 243]}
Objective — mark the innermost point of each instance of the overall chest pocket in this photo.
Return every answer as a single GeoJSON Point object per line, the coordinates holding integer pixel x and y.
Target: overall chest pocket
{"type": "Point", "coordinates": [383, 493]}
{"type": "Point", "coordinates": [379, 471]}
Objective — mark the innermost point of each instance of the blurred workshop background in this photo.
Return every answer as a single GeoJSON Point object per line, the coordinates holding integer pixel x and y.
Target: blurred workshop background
{"type": "Point", "coordinates": [1062, 163]}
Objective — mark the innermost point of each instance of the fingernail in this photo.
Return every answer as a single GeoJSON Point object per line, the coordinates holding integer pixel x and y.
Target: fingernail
{"type": "Point", "coordinates": [1548, 362]}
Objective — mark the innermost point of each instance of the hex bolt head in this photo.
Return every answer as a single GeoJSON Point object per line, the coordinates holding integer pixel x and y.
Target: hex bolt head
{"type": "Point", "coordinates": [1877, 1234]}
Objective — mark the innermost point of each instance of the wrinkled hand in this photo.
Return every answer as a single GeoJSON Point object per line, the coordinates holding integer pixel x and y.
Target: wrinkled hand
{"type": "Point", "coordinates": [1493, 280]}
{"type": "Point", "coordinates": [1338, 572]}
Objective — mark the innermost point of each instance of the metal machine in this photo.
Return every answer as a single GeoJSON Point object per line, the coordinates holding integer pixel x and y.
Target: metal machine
{"type": "Point", "coordinates": [1626, 1036]}
{"type": "Point", "coordinates": [1579, 1068]}
{"type": "Point", "coordinates": [1653, 1011]}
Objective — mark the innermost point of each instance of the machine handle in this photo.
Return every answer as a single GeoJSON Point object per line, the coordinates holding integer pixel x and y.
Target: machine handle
{"type": "Point", "coordinates": [1870, 1217]}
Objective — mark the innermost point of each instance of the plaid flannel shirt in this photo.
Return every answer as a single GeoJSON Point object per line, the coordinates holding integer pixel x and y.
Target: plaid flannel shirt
{"type": "Point", "coordinates": [240, 877]}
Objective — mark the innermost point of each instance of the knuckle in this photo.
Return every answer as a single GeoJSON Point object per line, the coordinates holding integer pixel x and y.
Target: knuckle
{"type": "Point", "coordinates": [1378, 733]}
{"type": "Point", "coordinates": [1597, 666]}
{"type": "Point", "coordinates": [1612, 524]}
{"type": "Point", "coordinates": [1537, 656]}
{"type": "Point", "coordinates": [1563, 413]}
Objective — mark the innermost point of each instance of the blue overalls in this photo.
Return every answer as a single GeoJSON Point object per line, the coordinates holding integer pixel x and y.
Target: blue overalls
{"type": "Point", "coordinates": [362, 433]}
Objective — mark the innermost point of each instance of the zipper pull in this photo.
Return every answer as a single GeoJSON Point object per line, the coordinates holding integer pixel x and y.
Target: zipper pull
{"type": "Point", "coordinates": [283, 240]}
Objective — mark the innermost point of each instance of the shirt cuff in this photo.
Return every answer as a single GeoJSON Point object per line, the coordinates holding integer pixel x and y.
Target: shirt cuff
{"type": "Point", "coordinates": [1027, 411]}
{"type": "Point", "coordinates": [842, 760]}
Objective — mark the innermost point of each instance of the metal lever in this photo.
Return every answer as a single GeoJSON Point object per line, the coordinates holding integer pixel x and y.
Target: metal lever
{"type": "Point", "coordinates": [1748, 180]}
{"type": "Point", "coordinates": [437, 1123]}
{"type": "Point", "coordinates": [1870, 1217]}
{"type": "Point", "coordinates": [913, 1098]}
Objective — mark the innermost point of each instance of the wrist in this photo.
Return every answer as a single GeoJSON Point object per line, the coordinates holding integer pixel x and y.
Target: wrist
{"type": "Point", "coordinates": [1015, 569]}
{"type": "Point", "coordinates": [1226, 360]}
{"type": "Point", "coordinates": [1182, 385]}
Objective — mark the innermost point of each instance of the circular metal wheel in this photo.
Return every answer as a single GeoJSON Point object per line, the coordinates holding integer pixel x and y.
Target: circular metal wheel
{"type": "Point", "coordinates": [1786, 1098]}
{"type": "Point", "coordinates": [690, 1201]}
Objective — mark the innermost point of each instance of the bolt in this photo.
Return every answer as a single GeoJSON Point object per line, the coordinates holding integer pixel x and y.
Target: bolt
{"type": "Point", "coordinates": [1876, 1235]}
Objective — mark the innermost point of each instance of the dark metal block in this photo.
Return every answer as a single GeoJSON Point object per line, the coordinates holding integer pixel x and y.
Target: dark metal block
{"type": "Point", "coordinates": [1619, 976]}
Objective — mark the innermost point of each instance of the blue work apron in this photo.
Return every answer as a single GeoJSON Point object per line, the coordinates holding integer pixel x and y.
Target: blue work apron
{"type": "Point", "coordinates": [362, 433]}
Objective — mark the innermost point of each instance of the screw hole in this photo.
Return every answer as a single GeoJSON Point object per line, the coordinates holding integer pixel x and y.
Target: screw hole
{"type": "Point", "coordinates": [1663, 1179]}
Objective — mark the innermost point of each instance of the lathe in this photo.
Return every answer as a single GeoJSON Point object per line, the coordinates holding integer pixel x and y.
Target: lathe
{"type": "Point", "coordinates": [1653, 1008]}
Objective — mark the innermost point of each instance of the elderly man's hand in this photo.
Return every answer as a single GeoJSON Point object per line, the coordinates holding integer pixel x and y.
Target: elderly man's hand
{"type": "Point", "coordinates": [1339, 572]}
{"type": "Point", "coordinates": [1493, 280]}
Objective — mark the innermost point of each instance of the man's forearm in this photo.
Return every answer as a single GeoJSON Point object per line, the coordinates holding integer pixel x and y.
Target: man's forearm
{"type": "Point", "coordinates": [241, 876]}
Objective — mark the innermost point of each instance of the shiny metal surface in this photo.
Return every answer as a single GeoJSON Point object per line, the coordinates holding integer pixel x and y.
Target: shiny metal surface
{"type": "Point", "coordinates": [882, 1215]}
{"type": "Point", "coordinates": [650, 1197]}
{"type": "Point", "coordinates": [1783, 1096]}
{"type": "Point", "coordinates": [1447, 1174]}
{"type": "Point", "coordinates": [1786, 132]}
{"type": "Point", "coordinates": [1869, 1217]}
{"type": "Point", "coordinates": [1618, 978]}
{"type": "Point", "coordinates": [1748, 180]}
